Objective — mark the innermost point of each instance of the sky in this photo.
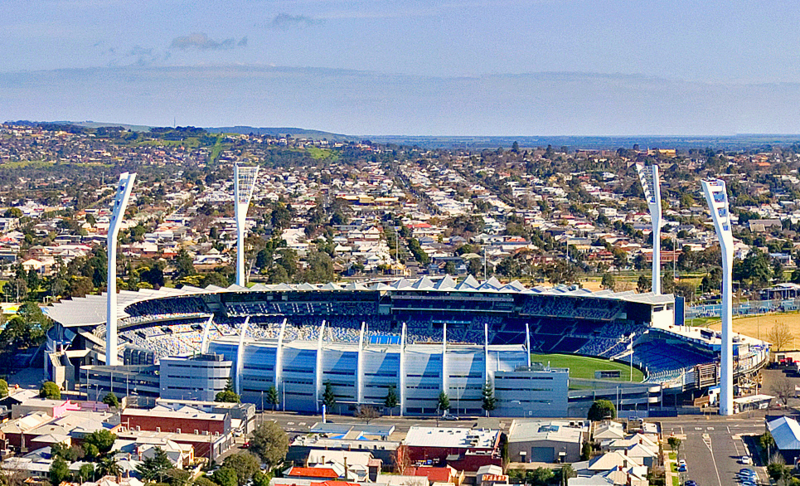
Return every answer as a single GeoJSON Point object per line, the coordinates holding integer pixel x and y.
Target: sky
{"type": "Point", "coordinates": [459, 67]}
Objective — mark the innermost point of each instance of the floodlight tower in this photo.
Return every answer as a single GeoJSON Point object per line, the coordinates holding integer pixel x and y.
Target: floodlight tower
{"type": "Point", "coordinates": [651, 186]}
{"type": "Point", "coordinates": [243, 185]}
{"type": "Point", "coordinates": [716, 195]}
{"type": "Point", "coordinates": [120, 203]}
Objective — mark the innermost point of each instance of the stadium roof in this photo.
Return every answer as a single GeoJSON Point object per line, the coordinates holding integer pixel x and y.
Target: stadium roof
{"type": "Point", "coordinates": [91, 310]}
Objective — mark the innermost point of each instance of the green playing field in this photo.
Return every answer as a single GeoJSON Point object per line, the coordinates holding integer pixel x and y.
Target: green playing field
{"type": "Point", "coordinates": [584, 367]}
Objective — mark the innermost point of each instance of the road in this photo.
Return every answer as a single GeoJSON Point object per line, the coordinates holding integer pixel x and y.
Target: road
{"type": "Point", "coordinates": [712, 447]}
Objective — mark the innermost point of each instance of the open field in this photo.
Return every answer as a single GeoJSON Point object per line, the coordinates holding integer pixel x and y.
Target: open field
{"type": "Point", "coordinates": [584, 367]}
{"type": "Point", "coordinates": [759, 326]}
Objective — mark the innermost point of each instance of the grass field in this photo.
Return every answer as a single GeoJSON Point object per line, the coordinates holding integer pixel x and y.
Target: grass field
{"type": "Point", "coordinates": [759, 326]}
{"type": "Point", "coordinates": [584, 367]}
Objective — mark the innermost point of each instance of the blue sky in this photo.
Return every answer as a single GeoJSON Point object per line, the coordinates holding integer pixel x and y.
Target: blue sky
{"type": "Point", "coordinates": [504, 67]}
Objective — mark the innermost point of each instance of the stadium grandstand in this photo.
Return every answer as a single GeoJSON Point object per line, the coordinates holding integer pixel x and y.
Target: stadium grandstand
{"type": "Point", "coordinates": [478, 316]}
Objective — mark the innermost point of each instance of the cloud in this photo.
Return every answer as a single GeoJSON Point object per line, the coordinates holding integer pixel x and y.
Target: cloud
{"type": "Point", "coordinates": [285, 21]}
{"type": "Point", "coordinates": [201, 41]}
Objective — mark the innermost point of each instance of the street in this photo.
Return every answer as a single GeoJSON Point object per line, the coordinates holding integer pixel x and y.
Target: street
{"type": "Point", "coordinates": [713, 447]}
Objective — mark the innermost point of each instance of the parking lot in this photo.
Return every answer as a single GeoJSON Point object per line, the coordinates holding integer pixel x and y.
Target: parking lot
{"type": "Point", "coordinates": [712, 448]}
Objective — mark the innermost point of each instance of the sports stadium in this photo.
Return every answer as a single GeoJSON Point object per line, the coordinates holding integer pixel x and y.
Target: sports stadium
{"type": "Point", "coordinates": [419, 337]}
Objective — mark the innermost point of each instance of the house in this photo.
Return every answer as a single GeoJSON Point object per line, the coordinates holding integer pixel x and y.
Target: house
{"type": "Point", "coordinates": [608, 430]}
{"type": "Point", "coordinates": [490, 475]}
{"type": "Point", "coordinates": [546, 440]}
{"type": "Point", "coordinates": [786, 432]}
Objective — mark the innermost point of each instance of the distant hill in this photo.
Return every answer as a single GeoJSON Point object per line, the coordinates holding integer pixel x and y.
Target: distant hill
{"type": "Point", "coordinates": [279, 131]}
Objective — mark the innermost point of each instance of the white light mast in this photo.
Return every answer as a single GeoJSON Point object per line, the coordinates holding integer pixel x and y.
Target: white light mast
{"type": "Point", "coordinates": [124, 188]}
{"type": "Point", "coordinates": [717, 198]}
{"type": "Point", "coordinates": [651, 186]}
{"type": "Point", "coordinates": [244, 181]}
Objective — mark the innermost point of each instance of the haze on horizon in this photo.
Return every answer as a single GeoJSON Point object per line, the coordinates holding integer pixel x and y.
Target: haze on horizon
{"type": "Point", "coordinates": [414, 67]}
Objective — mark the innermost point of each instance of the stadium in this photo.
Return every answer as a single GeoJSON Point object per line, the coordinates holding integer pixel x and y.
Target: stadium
{"type": "Point", "coordinates": [419, 337]}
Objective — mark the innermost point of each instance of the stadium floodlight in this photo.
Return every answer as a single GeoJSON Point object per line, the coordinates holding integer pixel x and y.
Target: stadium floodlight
{"type": "Point", "coordinates": [243, 185]}
{"type": "Point", "coordinates": [124, 188]}
{"type": "Point", "coordinates": [717, 198]}
{"type": "Point", "coordinates": [651, 186]}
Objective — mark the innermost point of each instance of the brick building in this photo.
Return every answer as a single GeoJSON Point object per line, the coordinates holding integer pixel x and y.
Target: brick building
{"type": "Point", "coordinates": [183, 420]}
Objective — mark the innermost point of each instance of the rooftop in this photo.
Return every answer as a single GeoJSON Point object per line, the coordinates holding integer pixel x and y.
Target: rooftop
{"type": "Point", "coordinates": [452, 437]}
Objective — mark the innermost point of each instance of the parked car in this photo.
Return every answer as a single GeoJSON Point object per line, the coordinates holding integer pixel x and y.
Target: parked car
{"type": "Point", "coordinates": [746, 460]}
{"type": "Point", "coordinates": [682, 466]}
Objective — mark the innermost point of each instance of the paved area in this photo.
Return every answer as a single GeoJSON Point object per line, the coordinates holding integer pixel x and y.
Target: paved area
{"type": "Point", "coordinates": [712, 448]}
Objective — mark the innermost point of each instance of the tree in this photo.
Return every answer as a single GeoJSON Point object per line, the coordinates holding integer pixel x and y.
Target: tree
{"type": "Point", "coordinates": [244, 464]}
{"type": "Point", "coordinates": [643, 284]}
{"type": "Point", "coordinates": [86, 473]}
{"type": "Point", "coordinates": [367, 413]}
{"type": "Point", "coordinates": [272, 397]}
{"type": "Point", "coordinates": [59, 471]}
{"type": "Point", "coordinates": [108, 466]}
{"type": "Point", "coordinates": [178, 477]}
{"type": "Point", "coordinates": [586, 451]}
{"type": "Point", "coordinates": [328, 397]}
{"type": "Point", "coordinates": [489, 400]}
{"type": "Point", "coordinates": [601, 410]}
{"type": "Point", "coordinates": [780, 336]}
{"type": "Point", "coordinates": [50, 390]}
{"type": "Point", "coordinates": [391, 400]}
{"type": "Point", "coordinates": [260, 479]}
{"type": "Point", "coordinates": [566, 472]}
{"type": "Point", "coordinates": [783, 389]}
{"type": "Point", "coordinates": [69, 454]}
{"type": "Point", "coordinates": [541, 476]}
{"type": "Point", "coordinates": [204, 481]}
{"type": "Point", "coordinates": [270, 443]}
{"type": "Point", "coordinates": [227, 396]}
{"type": "Point", "coordinates": [444, 402]}
{"type": "Point", "coordinates": [225, 476]}
{"type": "Point", "coordinates": [184, 265]}
{"type": "Point", "coordinates": [155, 467]}
{"type": "Point", "coordinates": [90, 451]}
{"type": "Point", "coordinates": [3, 388]}
{"type": "Point", "coordinates": [103, 440]}
{"type": "Point", "coordinates": [766, 441]}
{"type": "Point", "coordinates": [608, 282]}
{"type": "Point", "coordinates": [111, 400]}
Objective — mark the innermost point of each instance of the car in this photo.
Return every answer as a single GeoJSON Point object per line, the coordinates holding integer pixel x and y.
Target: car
{"type": "Point", "coordinates": [690, 483]}
{"type": "Point", "coordinates": [682, 468]}
{"type": "Point", "coordinates": [246, 445]}
{"type": "Point", "coordinates": [746, 460]}
{"type": "Point", "coordinates": [682, 462]}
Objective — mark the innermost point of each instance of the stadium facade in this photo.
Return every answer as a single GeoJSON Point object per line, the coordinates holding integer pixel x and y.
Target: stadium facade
{"type": "Point", "coordinates": [420, 337]}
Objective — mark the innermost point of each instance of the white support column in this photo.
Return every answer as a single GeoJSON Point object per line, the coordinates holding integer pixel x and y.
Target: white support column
{"type": "Point", "coordinates": [444, 359]}
{"type": "Point", "coordinates": [240, 354]}
{"type": "Point", "coordinates": [402, 390]}
{"type": "Point", "coordinates": [279, 357]}
{"type": "Point", "coordinates": [244, 181]}
{"type": "Point", "coordinates": [651, 186]}
{"type": "Point", "coordinates": [124, 188]}
{"type": "Point", "coordinates": [206, 333]}
{"type": "Point", "coordinates": [486, 376]}
{"type": "Point", "coordinates": [528, 342]}
{"type": "Point", "coordinates": [279, 385]}
{"type": "Point", "coordinates": [360, 367]}
{"type": "Point", "coordinates": [717, 198]}
{"type": "Point", "coordinates": [318, 370]}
